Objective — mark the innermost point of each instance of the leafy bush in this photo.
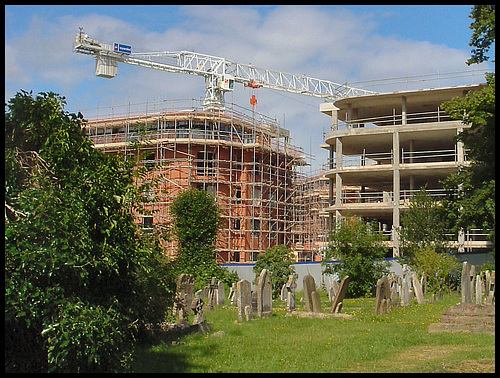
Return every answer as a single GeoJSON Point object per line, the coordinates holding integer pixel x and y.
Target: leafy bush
{"type": "Point", "coordinates": [437, 267]}
{"type": "Point", "coordinates": [77, 270]}
{"type": "Point", "coordinates": [359, 250]}
{"type": "Point", "coordinates": [196, 219]}
{"type": "Point", "coordinates": [278, 260]}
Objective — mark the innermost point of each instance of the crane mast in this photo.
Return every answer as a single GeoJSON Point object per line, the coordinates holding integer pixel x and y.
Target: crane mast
{"type": "Point", "coordinates": [220, 74]}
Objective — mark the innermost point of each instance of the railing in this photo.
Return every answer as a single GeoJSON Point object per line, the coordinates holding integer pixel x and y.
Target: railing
{"type": "Point", "coordinates": [395, 119]}
{"type": "Point", "coordinates": [405, 196]}
{"type": "Point", "coordinates": [406, 157]}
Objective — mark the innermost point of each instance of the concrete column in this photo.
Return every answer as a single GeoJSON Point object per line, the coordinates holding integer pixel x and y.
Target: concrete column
{"type": "Point", "coordinates": [331, 186]}
{"type": "Point", "coordinates": [460, 149]}
{"type": "Point", "coordinates": [460, 161]}
{"type": "Point", "coordinates": [348, 115]}
{"type": "Point", "coordinates": [396, 193]}
{"type": "Point", "coordinates": [335, 118]}
{"type": "Point", "coordinates": [403, 110]}
{"type": "Point", "coordinates": [338, 179]}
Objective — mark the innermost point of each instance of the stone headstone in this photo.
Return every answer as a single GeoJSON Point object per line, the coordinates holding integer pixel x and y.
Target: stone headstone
{"type": "Point", "coordinates": [283, 293]}
{"type": "Point", "coordinates": [309, 287]}
{"type": "Point", "coordinates": [472, 279]}
{"type": "Point", "coordinates": [290, 287]}
{"type": "Point", "coordinates": [405, 291]}
{"type": "Point", "coordinates": [405, 287]}
{"type": "Point", "coordinates": [254, 302]}
{"type": "Point", "coordinates": [490, 289]}
{"type": "Point", "coordinates": [344, 284]}
{"type": "Point", "coordinates": [465, 283]}
{"type": "Point", "coordinates": [221, 294]}
{"type": "Point", "coordinates": [248, 313]}
{"type": "Point", "coordinates": [197, 308]}
{"type": "Point", "coordinates": [316, 301]}
{"type": "Point", "coordinates": [211, 295]}
{"type": "Point", "coordinates": [394, 293]}
{"type": "Point", "coordinates": [332, 291]}
{"type": "Point", "coordinates": [183, 297]}
{"type": "Point", "coordinates": [290, 302]}
{"type": "Point", "coordinates": [418, 290]}
{"type": "Point", "coordinates": [232, 294]}
{"type": "Point", "coordinates": [264, 292]}
{"type": "Point", "coordinates": [479, 290]}
{"type": "Point", "coordinates": [382, 296]}
{"type": "Point", "coordinates": [244, 297]}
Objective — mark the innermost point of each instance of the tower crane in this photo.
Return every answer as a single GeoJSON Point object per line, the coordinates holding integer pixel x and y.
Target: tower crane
{"type": "Point", "coordinates": [220, 74]}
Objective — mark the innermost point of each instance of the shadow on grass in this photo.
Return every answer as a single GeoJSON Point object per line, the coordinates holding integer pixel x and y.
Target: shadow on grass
{"type": "Point", "coordinates": [171, 354]}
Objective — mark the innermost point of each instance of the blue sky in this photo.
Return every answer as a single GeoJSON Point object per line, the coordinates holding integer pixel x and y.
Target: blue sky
{"type": "Point", "coordinates": [344, 43]}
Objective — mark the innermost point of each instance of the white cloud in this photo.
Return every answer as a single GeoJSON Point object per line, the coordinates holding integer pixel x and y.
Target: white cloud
{"type": "Point", "coordinates": [333, 44]}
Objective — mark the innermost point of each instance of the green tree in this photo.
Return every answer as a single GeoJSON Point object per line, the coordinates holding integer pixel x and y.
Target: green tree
{"type": "Point", "coordinates": [423, 225]}
{"type": "Point", "coordinates": [437, 267]}
{"type": "Point", "coordinates": [471, 191]}
{"type": "Point", "coordinates": [195, 223]}
{"type": "Point", "coordinates": [483, 35]}
{"type": "Point", "coordinates": [358, 248]}
{"type": "Point", "coordinates": [278, 260]}
{"type": "Point", "coordinates": [79, 276]}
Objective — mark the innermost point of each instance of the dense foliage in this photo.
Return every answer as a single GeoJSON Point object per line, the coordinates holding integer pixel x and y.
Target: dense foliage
{"type": "Point", "coordinates": [358, 248]}
{"type": "Point", "coordinates": [437, 267]}
{"type": "Point", "coordinates": [278, 260]}
{"type": "Point", "coordinates": [195, 221]}
{"type": "Point", "coordinates": [483, 36]}
{"type": "Point", "coordinates": [471, 191]}
{"type": "Point", "coordinates": [78, 274]}
{"type": "Point", "coordinates": [423, 225]}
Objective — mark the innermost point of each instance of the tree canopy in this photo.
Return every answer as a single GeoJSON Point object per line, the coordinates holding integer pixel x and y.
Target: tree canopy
{"type": "Point", "coordinates": [471, 191]}
{"type": "Point", "coordinates": [195, 221]}
{"type": "Point", "coordinates": [78, 273]}
{"type": "Point", "coordinates": [278, 260]}
{"type": "Point", "coordinates": [357, 249]}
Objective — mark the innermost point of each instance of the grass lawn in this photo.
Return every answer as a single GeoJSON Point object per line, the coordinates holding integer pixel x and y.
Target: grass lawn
{"type": "Point", "coordinates": [391, 343]}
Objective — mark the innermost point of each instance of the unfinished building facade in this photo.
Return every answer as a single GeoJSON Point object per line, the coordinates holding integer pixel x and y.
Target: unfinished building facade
{"type": "Point", "coordinates": [390, 145]}
{"type": "Point", "coordinates": [244, 159]}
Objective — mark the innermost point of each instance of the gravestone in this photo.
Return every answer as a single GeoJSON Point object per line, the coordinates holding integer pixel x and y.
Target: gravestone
{"type": "Point", "coordinates": [309, 287]}
{"type": "Point", "coordinates": [197, 308]}
{"type": "Point", "coordinates": [254, 302]}
{"type": "Point", "coordinates": [332, 291]}
{"type": "Point", "coordinates": [291, 286]}
{"type": "Point", "coordinates": [316, 301]}
{"type": "Point", "coordinates": [472, 279]}
{"type": "Point", "coordinates": [383, 296]}
{"type": "Point", "coordinates": [183, 297]}
{"type": "Point", "coordinates": [283, 292]}
{"type": "Point", "coordinates": [221, 294]}
{"type": "Point", "coordinates": [418, 290]}
{"type": "Point", "coordinates": [248, 313]}
{"type": "Point", "coordinates": [394, 282]}
{"type": "Point", "coordinates": [465, 283]}
{"type": "Point", "coordinates": [232, 294]}
{"type": "Point", "coordinates": [479, 290]}
{"type": "Point", "coordinates": [264, 292]}
{"type": "Point", "coordinates": [490, 288]}
{"type": "Point", "coordinates": [405, 287]}
{"type": "Point", "coordinates": [244, 297]}
{"type": "Point", "coordinates": [211, 294]}
{"type": "Point", "coordinates": [337, 301]}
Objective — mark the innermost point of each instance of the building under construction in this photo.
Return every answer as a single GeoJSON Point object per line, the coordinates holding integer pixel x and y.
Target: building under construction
{"type": "Point", "coordinates": [243, 158]}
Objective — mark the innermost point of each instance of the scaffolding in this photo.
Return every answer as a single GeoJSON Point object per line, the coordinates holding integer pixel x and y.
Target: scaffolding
{"type": "Point", "coordinates": [243, 158]}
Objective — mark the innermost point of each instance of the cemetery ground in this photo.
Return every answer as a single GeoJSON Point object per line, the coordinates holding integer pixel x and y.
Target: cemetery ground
{"type": "Point", "coordinates": [389, 343]}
